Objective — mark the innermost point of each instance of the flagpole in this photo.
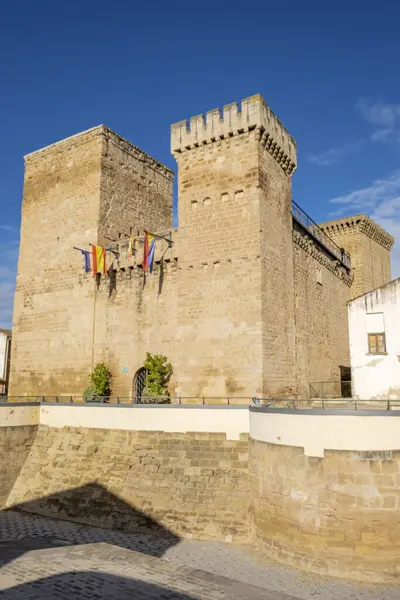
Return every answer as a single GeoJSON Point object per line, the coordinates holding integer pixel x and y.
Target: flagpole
{"type": "Point", "coordinates": [94, 315]}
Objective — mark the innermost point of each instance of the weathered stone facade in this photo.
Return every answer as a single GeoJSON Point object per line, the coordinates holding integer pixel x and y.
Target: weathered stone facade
{"type": "Point", "coordinates": [194, 484]}
{"type": "Point", "coordinates": [321, 291]}
{"type": "Point", "coordinates": [303, 499]}
{"type": "Point", "coordinates": [369, 246]}
{"type": "Point", "coordinates": [336, 515]}
{"type": "Point", "coordinates": [15, 444]}
{"type": "Point", "coordinates": [234, 304]}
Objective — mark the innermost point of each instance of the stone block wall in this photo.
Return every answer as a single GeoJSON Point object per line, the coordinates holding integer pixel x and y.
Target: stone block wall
{"type": "Point", "coordinates": [193, 484]}
{"type": "Point", "coordinates": [336, 515]}
{"type": "Point", "coordinates": [234, 305]}
{"type": "Point", "coordinates": [219, 261]}
{"type": "Point", "coordinates": [235, 250]}
{"type": "Point", "coordinates": [316, 491]}
{"type": "Point", "coordinates": [15, 445]}
{"type": "Point", "coordinates": [321, 289]}
{"type": "Point", "coordinates": [369, 246]}
{"type": "Point", "coordinates": [83, 190]}
{"type": "Point", "coordinates": [277, 283]}
{"type": "Point", "coordinates": [60, 210]}
{"type": "Point", "coordinates": [139, 316]}
{"type": "Point", "coordinates": [135, 191]}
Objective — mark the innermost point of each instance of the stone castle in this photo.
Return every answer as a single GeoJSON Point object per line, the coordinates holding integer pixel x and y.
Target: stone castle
{"type": "Point", "coordinates": [248, 296]}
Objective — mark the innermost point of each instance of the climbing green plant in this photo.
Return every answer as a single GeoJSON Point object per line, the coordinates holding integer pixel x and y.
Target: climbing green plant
{"type": "Point", "coordinates": [159, 371]}
{"type": "Point", "coordinates": [100, 383]}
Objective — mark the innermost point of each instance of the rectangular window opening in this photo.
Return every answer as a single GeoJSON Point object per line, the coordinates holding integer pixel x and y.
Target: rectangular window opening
{"type": "Point", "coordinates": [376, 343]}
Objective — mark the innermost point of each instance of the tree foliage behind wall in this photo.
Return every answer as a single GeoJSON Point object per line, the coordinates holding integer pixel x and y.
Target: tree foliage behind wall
{"type": "Point", "coordinates": [159, 371]}
{"type": "Point", "coordinates": [100, 384]}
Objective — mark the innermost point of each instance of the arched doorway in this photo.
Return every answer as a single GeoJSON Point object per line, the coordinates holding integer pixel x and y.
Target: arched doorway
{"type": "Point", "coordinates": [139, 384]}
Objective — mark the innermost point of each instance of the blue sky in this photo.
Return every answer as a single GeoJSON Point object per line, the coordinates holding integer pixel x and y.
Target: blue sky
{"type": "Point", "coordinates": [328, 70]}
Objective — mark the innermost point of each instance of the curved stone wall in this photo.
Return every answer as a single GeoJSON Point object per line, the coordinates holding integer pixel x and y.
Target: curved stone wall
{"type": "Point", "coordinates": [169, 469]}
{"type": "Point", "coordinates": [325, 490]}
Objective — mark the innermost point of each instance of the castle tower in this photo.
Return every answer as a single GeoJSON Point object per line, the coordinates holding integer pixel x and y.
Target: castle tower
{"type": "Point", "coordinates": [87, 189]}
{"type": "Point", "coordinates": [369, 247]}
{"type": "Point", "coordinates": [235, 246]}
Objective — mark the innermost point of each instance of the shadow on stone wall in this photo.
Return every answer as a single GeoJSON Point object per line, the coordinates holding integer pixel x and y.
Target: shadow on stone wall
{"type": "Point", "coordinates": [93, 505]}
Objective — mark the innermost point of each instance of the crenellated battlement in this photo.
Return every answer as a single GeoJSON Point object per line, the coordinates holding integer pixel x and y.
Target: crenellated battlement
{"type": "Point", "coordinates": [364, 224]}
{"type": "Point", "coordinates": [252, 114]}
{"type": "Point", "coordinates": [243, 300]}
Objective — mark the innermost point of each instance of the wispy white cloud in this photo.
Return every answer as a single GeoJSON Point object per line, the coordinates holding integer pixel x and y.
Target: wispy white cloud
{"type": "Point", "coordinates": [335, 154]}
{"type": "Point", "coordinates": [380, 190]}
{"type": "Point", "coordinates": [384, 117]}
{"type": "Point", "coordinates": [381, 201]}
{"type": "Point", "coordinates": [385, 121]}
{"type": "Point", "coordinates": [8, 228]}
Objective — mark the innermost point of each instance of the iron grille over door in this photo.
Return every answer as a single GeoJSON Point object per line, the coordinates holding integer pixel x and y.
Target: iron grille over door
{"type": "Point", "coordinates": [140, 383]}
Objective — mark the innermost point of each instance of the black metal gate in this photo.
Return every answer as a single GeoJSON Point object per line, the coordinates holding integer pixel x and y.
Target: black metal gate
{"type": "Point", "coordinates": [140, 383]}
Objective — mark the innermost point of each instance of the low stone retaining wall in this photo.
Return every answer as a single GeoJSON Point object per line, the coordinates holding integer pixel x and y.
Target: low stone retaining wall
{"type": "Point", "coordinates": [323, 509]}
{"type": "Point", "coordinates": [15, 445]}
{"type": "Point", "coordinates": [193, 484]}
{"type": "Point", "coordinates": [315, 489]}
{"type": "Point", "coordinates": [179, 470]}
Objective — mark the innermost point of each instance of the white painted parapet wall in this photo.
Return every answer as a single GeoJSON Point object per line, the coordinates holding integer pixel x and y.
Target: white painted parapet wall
{"type": "Point", "coordinates": [313, 430]}
{"type": "Point", "coordinates": [232, 421]}
{"type": "Point", "coordinates": [174, 419]}
{"type": "Point", "coordinates": [317, 430]}
{"type": "Point", "coordinates": [19, 415]}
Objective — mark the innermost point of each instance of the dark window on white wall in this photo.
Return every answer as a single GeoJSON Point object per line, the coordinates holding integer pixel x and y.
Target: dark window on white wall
{"type": "Point", "coordinates": [376, 343]}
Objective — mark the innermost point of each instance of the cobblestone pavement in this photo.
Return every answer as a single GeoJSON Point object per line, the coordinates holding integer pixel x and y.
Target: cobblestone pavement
{"type": "Point", "coordinates": [102, 571]}
{"type": "Point", "coordinates": [96, 563]}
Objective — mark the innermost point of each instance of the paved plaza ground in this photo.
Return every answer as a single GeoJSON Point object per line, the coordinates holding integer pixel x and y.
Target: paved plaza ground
{"type": "Point", "coordinates": [43, 558]}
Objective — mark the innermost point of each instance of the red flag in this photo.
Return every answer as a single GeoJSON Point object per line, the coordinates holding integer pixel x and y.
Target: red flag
{"type": "Point", "coordinates": [149, 249]}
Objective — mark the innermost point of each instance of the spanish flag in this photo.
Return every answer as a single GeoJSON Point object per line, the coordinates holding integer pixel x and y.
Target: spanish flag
{"type": "Point", "coordinates": [98, 260]}
{"type": "Point", "coordinates": [149, 248]}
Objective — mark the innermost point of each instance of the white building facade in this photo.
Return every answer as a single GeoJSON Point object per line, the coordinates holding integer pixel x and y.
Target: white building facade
{"type": "Point", "coordinates": [374, 330]}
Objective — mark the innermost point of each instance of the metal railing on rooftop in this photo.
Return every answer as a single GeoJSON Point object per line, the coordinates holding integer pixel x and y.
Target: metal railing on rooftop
{"type": "Point", "coordinates": [320, 236]}
{"type": "Point", "coordinates": [182, 400]}
{"type": "Point", "coordinates": [330, 389]}
{"type": "Point", "coordinates": [328, 404]}
{"type": "Point", "coordinates": [231, 401]}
